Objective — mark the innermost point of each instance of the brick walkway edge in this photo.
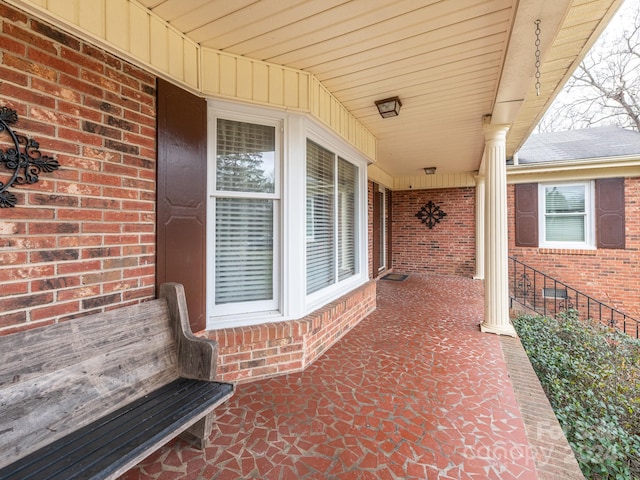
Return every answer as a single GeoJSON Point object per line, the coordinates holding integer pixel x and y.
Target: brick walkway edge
{"type": "Point", "coordinates": [552, 453]}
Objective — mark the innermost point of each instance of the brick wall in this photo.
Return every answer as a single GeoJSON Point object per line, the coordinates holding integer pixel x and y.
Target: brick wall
{"type": "Point", "coordinates": [610, 276]}
{"type": "Point", "coordinates": [446, 249]}
{"type": "Point", "coordinates": [249, 353]}
{"type": "Point", "coordinates": [82, 239]}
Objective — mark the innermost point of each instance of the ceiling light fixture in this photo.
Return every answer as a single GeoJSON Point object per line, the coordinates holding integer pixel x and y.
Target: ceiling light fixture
{"type": "Point", "coordinates": [389, 107]}
{"type": "Point", "coordinates": [429, 170]}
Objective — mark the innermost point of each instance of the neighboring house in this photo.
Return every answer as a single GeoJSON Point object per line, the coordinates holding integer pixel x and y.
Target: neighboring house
{"type": "Point", "coordinates": [573, 206]}
{"type": "Point", "coordinates": [236, 147]}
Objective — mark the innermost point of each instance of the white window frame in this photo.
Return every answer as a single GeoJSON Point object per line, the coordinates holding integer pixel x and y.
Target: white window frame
{"type": "Point", "coordinates": [340, 150]}
{"type": "Point", "coordinates": [589, 224]}
{"type": "Point", "coordinates": [291, 268]}
{"type": "Point", "coordinates": [233, 312]}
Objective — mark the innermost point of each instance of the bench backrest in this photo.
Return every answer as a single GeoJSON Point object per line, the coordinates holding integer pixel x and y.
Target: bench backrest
{"type": "Point", "coordinates": [58, 378]}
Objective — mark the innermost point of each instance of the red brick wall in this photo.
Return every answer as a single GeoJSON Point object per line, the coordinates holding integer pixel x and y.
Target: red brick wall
{"type": "Point", "coordinates": [248, 353]}
{"type": "Point", "coordinates": [446, 249]}
{"type": "Point", "coordinates": [82, 239]}
{"type": "Point", "coordinates": [610, 276]}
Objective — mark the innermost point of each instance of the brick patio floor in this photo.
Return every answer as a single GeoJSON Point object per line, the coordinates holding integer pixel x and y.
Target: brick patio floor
{"type": "Point", "coordinates": [413, 391]}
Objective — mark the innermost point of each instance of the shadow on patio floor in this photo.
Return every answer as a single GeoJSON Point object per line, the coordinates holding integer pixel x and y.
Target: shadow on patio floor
{"type": "Point", "coordinates": [413, 391]}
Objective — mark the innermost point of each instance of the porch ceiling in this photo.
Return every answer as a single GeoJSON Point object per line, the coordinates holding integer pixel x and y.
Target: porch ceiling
{"type": "Point", "coordinates": [450, 61]}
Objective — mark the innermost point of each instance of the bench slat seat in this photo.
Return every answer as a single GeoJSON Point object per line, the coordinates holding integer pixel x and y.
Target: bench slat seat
{"type": "Point", "coordinates": [111, 443]}
{"type": "Point", "coordinates": [91, 397]}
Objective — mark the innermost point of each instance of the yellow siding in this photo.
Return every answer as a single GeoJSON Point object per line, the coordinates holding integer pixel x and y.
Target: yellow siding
{"type": "Point", "coordinates": [65, 9]}
{"type": "Point", "coordinates": [244, 82]}
{"type": "Point", "coordinates": [117, 23]}
{"type": "Point", "coordinates": [139, 27]}
{"type": "Point", "coordinates": [228, 75]}
{"type": "Point", "coordinates": [176, 55]}
{"type": "Point", "coordinates": [255, 81]}
{"type": "Point", "coordinates": [158, 42]}
{"type": "Point", "coordinates": [260, 82]}
{"type": "Point", "coordinates": [276, 85]}
{"type": "Point", "coordinates": [191, 64]}
{"type": "Point", "coordinates": [91, 16]}
{"type": "Point", "coordinates": [129, 28]}
{"type": "Point", "coordinates": [379, 176]}
{"type": "Point", "coordinates": [444, 180]}
{"type": "Point", "coordinates": [291, 89]}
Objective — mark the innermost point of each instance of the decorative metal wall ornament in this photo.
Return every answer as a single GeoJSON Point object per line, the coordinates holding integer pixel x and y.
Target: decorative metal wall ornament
{"type": "Point", "coordinates": [430, 214]}
{"type": "Point", "coordinates": [25, 165]}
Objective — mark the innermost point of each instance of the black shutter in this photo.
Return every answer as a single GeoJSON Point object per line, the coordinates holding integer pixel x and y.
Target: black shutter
{"type": "Point", "coordinates": [526, 210]}
{"type": "Point", "coordinates": [610, 218]}
{"type": "Point", "coordinates": [181, 193]}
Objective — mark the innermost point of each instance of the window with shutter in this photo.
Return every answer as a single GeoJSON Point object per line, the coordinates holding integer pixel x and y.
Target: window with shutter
{"type": "Point", "coordinates": [566, 215]}
{"type": "Point", "coordinates": [573, 215]}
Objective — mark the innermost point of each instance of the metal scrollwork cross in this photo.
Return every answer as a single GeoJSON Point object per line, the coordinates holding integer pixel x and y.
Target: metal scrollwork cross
{"type": "Point", "coordinates": [23, 160]}
{"type": "Point", "coordinates": [430, 214]}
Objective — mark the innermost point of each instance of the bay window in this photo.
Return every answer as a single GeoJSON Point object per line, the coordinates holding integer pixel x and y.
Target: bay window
{"type": "Point", "coordinates": [285, 219]}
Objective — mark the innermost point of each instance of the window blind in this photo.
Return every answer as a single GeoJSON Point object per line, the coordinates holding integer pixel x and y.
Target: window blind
{"type": "Point", "coordinates": [320, 217]}
{"type": "Point", "coordinates": [347, 174]}
{"type": "Point", "coordinates": [565, 213]}
{"type": "Point", "coordinates": [244, 250]}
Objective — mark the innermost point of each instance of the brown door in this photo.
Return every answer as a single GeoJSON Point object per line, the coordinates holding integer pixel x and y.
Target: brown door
{"type": "Point", "coordinates": [182, 188]}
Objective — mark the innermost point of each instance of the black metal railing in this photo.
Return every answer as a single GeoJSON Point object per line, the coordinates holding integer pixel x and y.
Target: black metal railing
{"type": "Point", "coordinates": [548, 296]}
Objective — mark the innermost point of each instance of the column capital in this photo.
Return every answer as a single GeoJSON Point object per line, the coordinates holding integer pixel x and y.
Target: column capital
{"type": "Point", "coordinates": [495, 132]}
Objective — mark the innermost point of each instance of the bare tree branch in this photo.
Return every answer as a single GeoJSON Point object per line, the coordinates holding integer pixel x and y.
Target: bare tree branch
{"type": "Point", "coordinates": [605, 88]}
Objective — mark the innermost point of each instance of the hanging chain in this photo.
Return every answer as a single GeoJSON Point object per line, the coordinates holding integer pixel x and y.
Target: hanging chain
{"type": "Point", "coordinates": [537, 22]}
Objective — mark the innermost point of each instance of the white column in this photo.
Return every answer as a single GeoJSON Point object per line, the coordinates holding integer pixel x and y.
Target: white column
{"type": "Point", "coordinates": [480, 201]}
{"type": "Point", "coordinates": [496, 288]}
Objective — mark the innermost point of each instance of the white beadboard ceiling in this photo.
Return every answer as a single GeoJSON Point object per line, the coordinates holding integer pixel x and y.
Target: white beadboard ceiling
{"type": "Point", "coordinates": [451, 62]}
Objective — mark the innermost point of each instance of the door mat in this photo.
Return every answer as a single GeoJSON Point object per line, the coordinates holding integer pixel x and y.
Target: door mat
{"type": "Point", "coordinates": [395, 277]}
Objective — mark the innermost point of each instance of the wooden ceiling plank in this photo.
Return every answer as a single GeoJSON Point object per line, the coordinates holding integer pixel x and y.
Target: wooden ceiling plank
{"type": "Point", "coordinates": [258, 18]}
{"type": "Point", "coordinates": [462, 37]}
{"type": "Point", "coordinates": [418, 29]}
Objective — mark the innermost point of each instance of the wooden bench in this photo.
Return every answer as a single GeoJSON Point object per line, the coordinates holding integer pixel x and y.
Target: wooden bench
{"type": "Point", "coordinates": [91, 397]}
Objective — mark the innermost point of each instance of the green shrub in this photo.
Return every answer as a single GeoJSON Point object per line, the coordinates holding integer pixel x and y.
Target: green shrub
{"type": "Point", "coordinates": [591, 375]}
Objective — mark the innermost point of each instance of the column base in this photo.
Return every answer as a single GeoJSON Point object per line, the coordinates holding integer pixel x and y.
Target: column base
{"type": "Point", "coordinates": [499, 329]}
{"type": "Point", "coordinates": [478, 277]}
